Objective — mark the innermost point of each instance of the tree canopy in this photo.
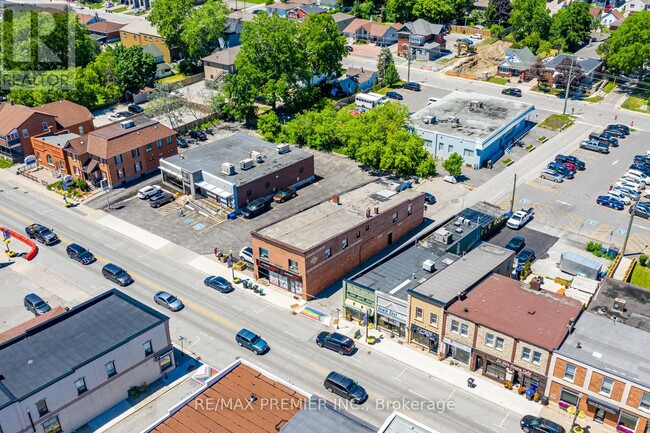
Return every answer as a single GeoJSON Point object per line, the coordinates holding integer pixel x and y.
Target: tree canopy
{"type": "Point", "coordinates": [498, 12]}
{"type": "Point", "coordinates": [453, 164]}
{"type": "Point", "coordinates": [627, 50]}
{"type": "Point", "coordinates": [572, 26]}
{"type": "Point", "coordinates": [529, 16]}
{"type": "Point", "coordinates": [135, 69]}
{"type": "Point", "coordinates": [203, 27]}
{"type": "Point", "coordinates": [324, 46]}
{"type": "Point", "coordinates": [169, 17]}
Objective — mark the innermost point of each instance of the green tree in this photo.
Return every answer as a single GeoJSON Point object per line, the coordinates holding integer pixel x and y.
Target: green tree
{"type": "Point", "coordinates": [268, 125]}
{"type": "Point", "coordinates": [461, 9]}
{"type": "Point", "coordinates": [392, 76]}
{"type": "Point", "coordinates": [528, 16]}
{"type": "Point", "coordinates": [203, 27]}
{"type": "Point", "coordinates": [436, 11]}
{"type": "Point", "coordinates": [168, 16]}
{"type": "Point", "coordinates": [384, 59]}
{"type": "Point", "coordinates": [571, 26]}
{"type": "Point", "coordinates": [324, 46]}
{"type": "Point", "coordinates": [453, 164]}
{"type": "Point", "coordinates": [135, 68]}
{"type": "Point", "coordinates": [498, 12]}
{"type": "Point", "coordinates": [627, 50]}
{"type": "Point", "coordinates": [398, 10]}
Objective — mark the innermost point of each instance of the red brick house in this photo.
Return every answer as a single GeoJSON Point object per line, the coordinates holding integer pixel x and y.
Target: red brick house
{"type": "Point", "coordinates": [301, 12]}
{"type": "Point", "coordinates": [49, 150]}
{"type": "Point", "coordinates": [425, 39]}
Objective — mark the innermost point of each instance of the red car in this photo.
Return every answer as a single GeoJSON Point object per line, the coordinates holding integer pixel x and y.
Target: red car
{"type": "Point", "coordinates": [570, 166]}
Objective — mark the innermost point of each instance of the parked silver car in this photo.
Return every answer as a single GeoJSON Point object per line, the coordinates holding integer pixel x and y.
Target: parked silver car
{"type": "Point", "coordinates": [550, 174]}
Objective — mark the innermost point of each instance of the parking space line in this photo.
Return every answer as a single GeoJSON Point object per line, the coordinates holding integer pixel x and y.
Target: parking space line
{"type": "Point", "coordinates": [602, 232]}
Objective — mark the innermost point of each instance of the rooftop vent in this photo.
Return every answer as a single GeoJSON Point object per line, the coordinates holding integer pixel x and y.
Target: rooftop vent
{"type": "Point", "coordinates": [531, 312]}
{"type": "Point", "coordinates": [429, 120]}
{"type": "Point", "coordinates": [475, 104]}
{"type": "Point", "coordinates": [619, 304]}
{"type": "Point", "coordinates": [257, 156]}
{"type": "Point", "coordinates": [227, 168]}
{"type": "Point", "coordinates": [246, 164]}
{"type": "Point", "coordinates": [579, 345]}
{"type": "Point", "coordinates": [465, 309]}
{"type": "Point", "coordinates": [283, 148]}
{"type": "Point", "coordinates": [127, 124]}
{"type": "Point", "coordinates": [453, 120]}
{"type": "Point", "coordinates": [429, 265]}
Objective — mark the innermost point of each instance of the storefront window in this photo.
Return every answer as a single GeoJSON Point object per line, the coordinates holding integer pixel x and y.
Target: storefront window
{"type": "Point", "coordinates": [391, 325]}
{"type": "Point", "coordinates": [459, 354]}
{"type": "Point", "coordinates": [628, 420]}
{"type": "Point", "coordinates": [569, 397]}
{"type": "Point", "coordinates": [165, 362]}
{"type": "Point", "coordinates": [52, 425]}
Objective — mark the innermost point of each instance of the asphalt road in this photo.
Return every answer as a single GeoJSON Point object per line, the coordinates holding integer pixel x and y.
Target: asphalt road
{"type": "Point", "coordinates": [210, 320]}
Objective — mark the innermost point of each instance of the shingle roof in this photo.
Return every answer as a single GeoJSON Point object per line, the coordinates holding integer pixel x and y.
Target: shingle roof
{"type": "Point", "coordinates": [67, 113]}
{"type": "Point", "coordinates": [105, 27]}
{"type": "Point", "coordinates": [242, 16]}
{"type": "Point", "coordinates": [53, 350]}
{"type": "Point", "coordinates": [223, 57]}
{"type": "Point", "coordinates": [372, 27]}
{"type": "Point", "coordinates": [78, 146]}
{"type": "Point", "coordinates": [506, 305]}
{"type": "Point", "coordinates": [281, 6]}
{"type": "Point", "coordinates": [153, 50]}
{"type": "Point", "coordinates": [12, 116]}
{"type": "Point", "coordinates": [424, 27]}
{"type": "Point", "coordinates": [341, 16]}
{"type": "Point", "coordinates": [587, 64]}
{"type": "Point", "coordinates": [113, 139]}
{"type": "Point", "coordinates": [84, 18]}
{"type": "Point", "coordinates": [359, 75]}
{"type": "Point", "coordinates": [312, 9]}
{"type": "Point", "coordinates": [519, 59]}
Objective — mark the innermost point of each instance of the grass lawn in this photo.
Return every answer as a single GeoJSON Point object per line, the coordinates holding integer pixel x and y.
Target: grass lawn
{"type": "Point", "coordinates": [5, 163]}
{"type": "Point", "coordinates": [498, 80]}
{"type": "Point", "coordinates": [172, 78]}
{"type": "Point", "coordinates": [257, 2]}
{"type": "Point", "coordinates": [94, 5]}
{"type": "Point", "coordinates": [547, 90]}
{"type": "Point", "coordinates": [635, 103]}
{"type": "Point", "coordinates": [118, 10]}
{"type": "Point", "coordinates": [556, 122]}
{"type": "Point", "coordinates": [607, 88]}
{"type": "Point", "coordinates": [641, 276]}
{"type": "Point", "coordinates": [594, 99]}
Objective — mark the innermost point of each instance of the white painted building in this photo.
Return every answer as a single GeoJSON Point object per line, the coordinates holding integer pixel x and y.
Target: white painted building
{"type": "Point", "coordinates": [59, 374]}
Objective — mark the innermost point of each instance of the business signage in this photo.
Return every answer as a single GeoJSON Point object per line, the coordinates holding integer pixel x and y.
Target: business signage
{"type": "Point", "coordinates": [391, 313]}
{"type": "Point", "coordinates": [424, 332]}
{"type": "Point", "coordinates": [599, 404]}
{"type": "Point", "coordinates": [279, 271]}
{"type": "Point", "coordinates": [458, 345]}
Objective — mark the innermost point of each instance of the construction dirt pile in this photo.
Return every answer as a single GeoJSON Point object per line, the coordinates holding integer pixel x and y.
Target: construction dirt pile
{"type": "Point", "coordinates": [486, 59]}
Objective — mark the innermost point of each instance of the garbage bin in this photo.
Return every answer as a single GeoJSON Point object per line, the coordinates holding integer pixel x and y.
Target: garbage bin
{"type": "Point", "coordinates": [232, 216]}
{"type": "Point", "coordinates": [529, 394]}
{"type": "Point", "coordinates": [545, 400]}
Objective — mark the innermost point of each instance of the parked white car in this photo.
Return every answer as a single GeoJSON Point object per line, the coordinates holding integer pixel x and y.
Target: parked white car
{"type": "Point", "coordinates": [637, 178]}
{"type": "Point", "coordinates": [449, 178]}
{"type": "Point", "coordinates": [644, 177]}
{"type": "Point", "coordinates": [148, 191]}
{"type": "Point", "coordinates": [518, 219]}
{"type": "Point", "coordinates": [618, 195]}
{"type": "Point", "coordinates": [476, 36]}
{"type": "Point", "coordinates": [630, 185]}
{"type": "Point", "coordinates": [633, 179]}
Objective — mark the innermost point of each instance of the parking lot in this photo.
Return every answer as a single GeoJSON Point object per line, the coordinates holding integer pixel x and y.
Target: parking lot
{"type": "Point", "coordinates": [201, 233]}
{"type": "Point", "coordinates": [571, 206]}
{"type": "Point", "coordinates": [535, 240]}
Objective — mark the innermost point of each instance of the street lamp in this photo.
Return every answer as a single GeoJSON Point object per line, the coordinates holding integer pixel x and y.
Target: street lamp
{"type": "Point", "coordinates": [103, 184]}
{"type": "Point", "coordinates": [181, 339]}
{"type": "Point", "coordinates": [575, 416]}
{"type": "Point", "coordinates": [568, 84]}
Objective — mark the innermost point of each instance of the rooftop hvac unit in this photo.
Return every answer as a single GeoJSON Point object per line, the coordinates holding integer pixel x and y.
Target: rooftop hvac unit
{"type": "Point", "coordinates": [458, 222]}
{"type": "Point", "coordinates": [429, 265]}
{"type": "Point", "coordinates": [476, 104]}
{"type": "Point", "coordinates": [453, 119]}
{"type": "Point", "coordinates": [283, 148]}
{"type": "Point", "coordinates": [246, 164]}
{"type": "Point", "coordinates": [127, 124]}
{"type": "Point", "coordinates": [256, 156]}
{"type": "Point", "coordinates": [619, 304]}
{"type": "Point", "coordinates": [443, 236]}
{"type": "Point", "coordinates": [429, 120]}
{"type": "Point", "coordinates": [227, 168]}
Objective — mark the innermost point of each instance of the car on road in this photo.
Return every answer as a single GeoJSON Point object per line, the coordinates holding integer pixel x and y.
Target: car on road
{"type": "Point", "coordinates": [618, 195]}
{"type": "Point", "coordinates": [80, 254]}
{"type": "Point", "coordinates": [580, 165]}
{"type": "Point", "coordinates": [336, 342]}
{"type": "Point", "coordinates": [135, 109]}
{"type": "Point", "coordinates": [198, 135]}
{"type": "Point", "coordinates": [169, 301]}
{"type": "Point", "coordinates": [246, 254]}
{"type": "Point", "coordinates": [595, 146]}
{"type": "Point", "coordinates": [412, 86]}
{"type": "Point", "coordinates": [220, 284]}
{"type": "Point", "coordinates": [535, 424]}
{"type": "Point", "coordinates": [525, 256]}
{"type": "Point", "coordinates": [182, 143]}
{"type": "Point", "coordinates": [256, 207]}
{"type": "Point", "coordinates": [623, 128]}
{"type": "Point", "coordinates": [516, 244]}
{"type": "Point", "coordinates": [148, 191]}
{"type": "Point", "coordinates": [36, 304]}
{"type": "Point", "coordinates": [252, 342]}
{"type": "Point", "coordinates": [615, 132]}
{"type": "Point", "coordinates": [347, 388]}
{"type": "Point", "coordinates": [609, 201]}
{"type": "Point", "coordinates": [285, 194]}
{"type": "Point", "coordinates": [519, 219]}
{"type": "Point", "coordinates": [603, 138]}
{"type": "Point", "coordinates": [550, 174]}
{"type": "Point", "coordinates": [41, 233]}
{"type": "Point", "coordinates": [116, 274]}
{"type": "Point", "coordinates": [512, 91]}
{"type": "Point", "coordinates": [641, 211]}
{"type": "Point", "coordinates": [429, 198]}
{"type": "Point", "coordinates": [121, 115]}
{"type": "Point", "coordinates": [394, 95]}
{"type": "Point", "coordinates": [349, 48]}
{"type": "Point", "coordinates": [160, 199]}
{"type": "Point", "coordinates": [561, 168]}
{"type": "Point", "coordinates": [476, 36]}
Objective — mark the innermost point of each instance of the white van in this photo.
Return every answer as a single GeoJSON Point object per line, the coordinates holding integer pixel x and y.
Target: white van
{"type": "Point", "coordinates": [644, 177]}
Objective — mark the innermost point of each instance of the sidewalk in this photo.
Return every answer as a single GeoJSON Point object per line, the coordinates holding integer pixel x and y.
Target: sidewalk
{"type": "Point", "coordinates": [457, 376]}
{"type": "Point", "coordinates": [560, 416]}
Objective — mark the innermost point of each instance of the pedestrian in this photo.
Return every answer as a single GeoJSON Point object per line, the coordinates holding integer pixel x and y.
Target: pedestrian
{"type": "Point", "coordinates": [615, 118]}
{"type": "Point", "coordinates": [611, 187]}
{"type": "Point", "coordinates": [216, 251]}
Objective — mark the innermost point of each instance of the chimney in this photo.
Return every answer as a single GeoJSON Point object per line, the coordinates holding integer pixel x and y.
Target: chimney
{"type": "Point", "coordinates": [376, 211]}
{"type": "Point", "coordinates": [367, 212]}
{"type": "Point", "coordinates": [11, 102]}
{"type": "Point", "coordinates": [335, 199]}
{"type": "Point", "coordinates": [362, 69]}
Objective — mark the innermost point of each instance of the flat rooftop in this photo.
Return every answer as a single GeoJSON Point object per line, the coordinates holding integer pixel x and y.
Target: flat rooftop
{"type": "Point", "coordinates": [313, 226]}
{"type": "Point", "coordinates": [400, 423]}
{"type": "Point", "coordinates": [464, 273]}
{"type": "Point", "coordinates": [610, 346]}
{"type": "Point", "coordinates": [77, 337]}
{"type": "Point", "coordinates": [320, 415]}
{"type": "Point", "coordinates": [59, 140]}
{"type": "Point", "coordinates": [637, 303]}
{"type": "Point", "coordinates": [209, 157]}
{"type": "Point", "coordinates": [475, 122]}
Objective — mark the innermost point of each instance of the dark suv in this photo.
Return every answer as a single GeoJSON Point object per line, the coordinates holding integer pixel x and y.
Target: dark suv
{"type": "Point", "coordinates": [345, 387]}
{"type": "Point", "coordinates": [41, 234]}
{"type": "Point", "coordinates": [535, 424]}
{"type": "Point", "coordinates": [256, 207]}
{"type": "Point", "coordinates": [116, 274]}
{"type": "Point", "coordinates": [561, 168]}
{"type": "Point", "coordinates": [252, 342]}
{"type": "Point", "coordinates": [411, 86]}
{"type": "Point", "coordinates": [615, 132]}
{"type": "Point", "coordinates": [580, 165]}
{"type": "Point", "coordinates": [161, 199]}
{"type": "Point", "coordinates": [336, 342]}
{"type": "Point", "coordinates": [80, 254]}
{"type": "Point", "coordinates": [36, 304]}
{"type": "Point", "coordinates": [623, 128]}
{"type": "Point", "coordinates": [605, 138]}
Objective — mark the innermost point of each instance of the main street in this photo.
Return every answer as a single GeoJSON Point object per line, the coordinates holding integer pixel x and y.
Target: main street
{"type": "Point", "coordinates": [210, 320]}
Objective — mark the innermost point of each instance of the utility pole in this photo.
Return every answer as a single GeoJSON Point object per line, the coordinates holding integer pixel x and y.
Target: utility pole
{"type": "Point", "coordinates": [104, 185]}
{"type": "Point", "coordinates": [575, 416]}
{"type": "Point", "coordinates": [568, 85]}
{"type": "Point", "coordinates": [512, 199]}
{"type": "Point", "coordinates": [408, 74]}
{"type": "Point", "coordinates": [629, 228]}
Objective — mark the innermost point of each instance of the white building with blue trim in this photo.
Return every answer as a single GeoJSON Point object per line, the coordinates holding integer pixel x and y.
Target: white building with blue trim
{"type": "Point", "coordinates": [478, 127]}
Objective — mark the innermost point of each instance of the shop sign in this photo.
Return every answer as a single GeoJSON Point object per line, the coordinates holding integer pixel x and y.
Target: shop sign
{"type": "Point", "coordinates": [424, 332]}
{"type": "Point", "coordinates": [598, 404]}
{"type": "Point", "coordinates": [458, 345]}
{"type": "Point", "coordinates": [162, 355]}
{"type": "Point", "coordinates": [280, 271]}
{"type": "Point", "coordinates": [391, 313]}
{"type": "Point", "coordinates": [506, 364]}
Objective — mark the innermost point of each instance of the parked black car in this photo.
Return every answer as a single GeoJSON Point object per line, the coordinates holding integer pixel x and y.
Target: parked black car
{"type": "Point", "coordinates": [535, 424]}
{"type": "Point", "coordinates": [516, 244]}
{"type": "Point", "coordinates": [412, 86]}
{"type": "Point", "coordinates": [604, 137]}
{"type": "Point", "coordinates": [345, 387]}
{"type": "Point", "coordinates": [561, 168]}
{"type": "Point", "coordinates": [429, 198]}
{"type": "Point", "coordinates": [199, 135]}
{"type": "Point", "coordinates": [36, 304]}
{"type": "Point", "coordinates": [561, 159]}
{"type": "Point", "coordinates": [642, 160]}
{"type": "Point", "coordinates": [512, 91]}
{"type": "Point", "coordinates": [181, 142]}
{"type": "Point", "coordinates": [641, 209]}
{"type": "Point", "coordinates": [256, 207]}
{"type": "Point", "coordinates": [135, 108]}
{"type": "Point", "coordinates": [615, 132]}
{"type": "Point", "coordinates": [524, 257]}
{"type": "Point", "coordinates": [641, 167]}
{"type": "Point", "coordinates": [80, 254]}
{"type": "Point", "coordinates": [116, 274]}
{"type": "Point", "coordinates": [623, 128]}
{"type": "Point", "coordinates": [161, 199]}
{"type": "Point", "coordinates": [41, 233]}
{"type": "Point", "coordinates": [394, 95]}
{"type": "Point", "coordinates": [336, 342]}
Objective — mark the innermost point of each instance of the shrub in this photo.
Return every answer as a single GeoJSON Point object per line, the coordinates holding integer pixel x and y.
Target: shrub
{"type": "Point", "coordinates": [82, 185]}
{"type": "Point", "coordinates": [643, 259]}
{"type": "Point", "coordinates": [594, 247]}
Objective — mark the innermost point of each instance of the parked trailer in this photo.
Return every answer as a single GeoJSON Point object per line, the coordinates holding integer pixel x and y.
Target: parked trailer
{"type": "Point", "coordinates": [575, 264]}
{"type": "Point", "coordinates": [369, 100]}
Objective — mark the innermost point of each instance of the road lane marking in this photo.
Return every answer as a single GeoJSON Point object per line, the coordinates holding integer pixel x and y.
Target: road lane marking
{"type": "Point", "coordinates": [563, 202]}
{"type": "Point", "coordinates": [452, 393]}
{"type": "Point", "coordinates": [419, 395]}
{"type": "Point", "coordinates": [258, 312]}
{"type": "Point", "coordinates": [212, 316]}
{"type": "Point", "coordinates": [400, 375]}
{"type": "Point", "coordinates": [196, 341]}
{"type": "Point", "coordinates": [142, 255]}
{"type": "Point", "coordinates": [289, 333]}
{"type": "Point", "coordinates": [236, 308]}
{"type": "Point", "coordinates": [641, 227]}
{"type": "Point", "coordinates": [615, 162]}
{"type": "Point", "coordinates": [206, 335]}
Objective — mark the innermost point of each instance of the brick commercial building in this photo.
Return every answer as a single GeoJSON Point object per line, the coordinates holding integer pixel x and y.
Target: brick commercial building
{"type": "Point", "coordinates": [49, 150]}
{"type": "Point", "coordinates": [18, 124]}
{"type": "Point", "coordinates": [509, 331]}
{"type": "Point", "coordinates": [143, 33]}
{"type": "Point", "coordinates": [235, 170]}
{"type": "Point", "coordinates": [312, 249]}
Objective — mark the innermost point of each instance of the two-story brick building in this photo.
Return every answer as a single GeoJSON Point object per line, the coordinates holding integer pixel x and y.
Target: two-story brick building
{"type": "Point", "coordinates": [426, 40]}
{"type": "Point", "coordinates": [429, 301]}
{"type": "Point", "coordinates": [143, 33]}
{"type": "Point", "coordinates": [60, 373]}
{"type": "Point", "coordinates": [49, 150]}
{"type": "Point", "coordinates": [511, 330]}
{"type": "Point", "coordinates": [312, 249]}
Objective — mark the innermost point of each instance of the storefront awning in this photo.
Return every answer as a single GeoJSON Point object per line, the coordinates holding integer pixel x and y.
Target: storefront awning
{"type": "Point", "coordinates": [349, 303]}
{"type": "Point", "coordinates": [213, 189]}
{"type": "Point", "coordinates": [600, 404]}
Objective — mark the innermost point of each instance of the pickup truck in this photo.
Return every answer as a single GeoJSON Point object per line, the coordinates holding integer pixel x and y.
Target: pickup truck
{"type": "Point", "coordinates": [518, 219]}
{"type": "Point", "coordinates": [594, 146]}
{"type": "Point", "coordinates": [41, 234]}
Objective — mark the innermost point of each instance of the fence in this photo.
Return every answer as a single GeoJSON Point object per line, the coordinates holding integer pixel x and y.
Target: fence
{"type": "Point", "coordinates": [461, 75]}
{"type": "Point", "coordinates": [194, 123]}
{"type": "Point", "coordinates": [466, 30]}
{"type": "Point", "coordinates": [189, 80]}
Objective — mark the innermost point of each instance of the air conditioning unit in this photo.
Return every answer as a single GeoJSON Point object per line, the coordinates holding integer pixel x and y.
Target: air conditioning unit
{"type": "Point", "coordinates": [619, 304]}
{"type": "Point", "coordinates": [429, 120]}
{"type": "Point", "coordinates": [429, 265]}
{"type": "Point", "coordinates": [443, 236]}
{"type": "Point", "coordinates": [227, 168]}
{"type": "Point", "coordinates": [127, 124]}
{"type": "Point", "coordinates": [246, 164]}
{"type": "Point", "coordinates": [283, 148]}
{"type": "Point", "coordinates": [256, 156]}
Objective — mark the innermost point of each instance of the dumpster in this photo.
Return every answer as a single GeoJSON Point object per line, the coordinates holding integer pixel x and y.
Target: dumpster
{"type": "Point", "coordinates": [575, 264]}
